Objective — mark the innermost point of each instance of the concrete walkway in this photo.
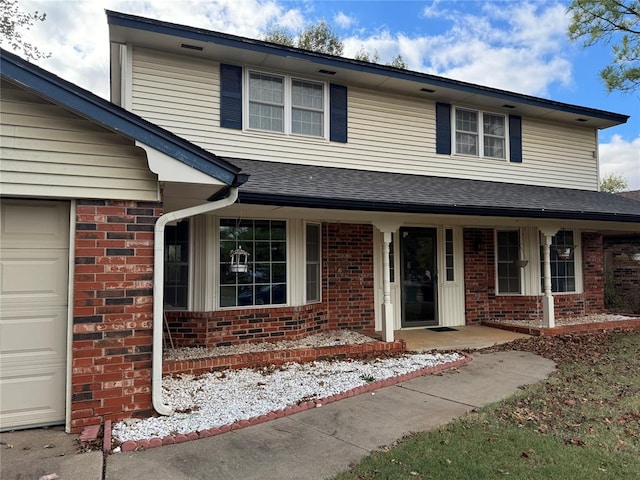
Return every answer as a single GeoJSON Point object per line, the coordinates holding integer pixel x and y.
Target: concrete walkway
{"type": "Point", "coordinates": [318, 443]}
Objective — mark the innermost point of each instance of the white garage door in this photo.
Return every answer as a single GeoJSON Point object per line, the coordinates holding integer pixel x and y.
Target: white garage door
{"type": "Point", "coordinates": [34, 277]}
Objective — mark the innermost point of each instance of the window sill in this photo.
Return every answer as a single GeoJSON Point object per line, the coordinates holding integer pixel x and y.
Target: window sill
{"type": "Point", "coordinates": [283, 135]}
{"type": "Point", "coordinates": [252, 307]}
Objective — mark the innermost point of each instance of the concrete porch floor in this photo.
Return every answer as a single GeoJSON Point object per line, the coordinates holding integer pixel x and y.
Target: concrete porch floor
{"type": "Point", "coordinates": [464, 338]}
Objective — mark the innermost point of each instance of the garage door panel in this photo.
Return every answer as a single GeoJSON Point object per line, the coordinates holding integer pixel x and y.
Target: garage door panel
{"type": "Point", "coordinates": [32, 336]}
{"type": "Point", "coordinates": [32, 396]}
{"type": "Point", "coordinates": [34, 224]}
{"type": "Point", "coordinates": [33, 277]}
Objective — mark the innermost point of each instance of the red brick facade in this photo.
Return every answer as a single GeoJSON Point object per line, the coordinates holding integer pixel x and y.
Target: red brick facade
{"type": "Point", "coordinates": [483, 305]}
{"type": "Point", "coordinates": [347, 300]}
{"type": "Point", "coordinates": [112, 311]}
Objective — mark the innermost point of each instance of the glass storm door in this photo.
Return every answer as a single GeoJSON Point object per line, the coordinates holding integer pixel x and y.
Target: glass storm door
{"type": "Point", "coordinates": [418, 273]}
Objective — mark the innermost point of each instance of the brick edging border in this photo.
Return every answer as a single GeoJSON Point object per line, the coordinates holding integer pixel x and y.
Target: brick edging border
{"type": "Point", "coordinates": [616, 326]}
{"type": "Point", "coordinates": [134, 445]}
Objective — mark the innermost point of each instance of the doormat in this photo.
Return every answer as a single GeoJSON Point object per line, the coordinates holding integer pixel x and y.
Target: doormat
{"type": "Point", "coordinates": [442, 329]}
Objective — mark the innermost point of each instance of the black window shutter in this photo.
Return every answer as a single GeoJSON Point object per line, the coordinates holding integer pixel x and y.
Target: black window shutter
{"type": "Point", "coordinates": [338, 113]}
{"type": "Point", "coordinates": [443, 128]}
{"type": "Point", "coordinates": [515, 138]}
{"type": "Point", "coordinates": [230, 96]}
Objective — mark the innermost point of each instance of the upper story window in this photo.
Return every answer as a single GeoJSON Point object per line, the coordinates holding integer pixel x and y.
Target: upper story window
{"type": "Point", "coordinates": [466, 131]}
{"type": "Point", "coordinates": [480, 133]}
{"type": "Point", "coordinates": [279, 103]}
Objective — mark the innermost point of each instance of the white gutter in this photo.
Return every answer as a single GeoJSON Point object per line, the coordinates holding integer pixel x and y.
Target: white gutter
{"type": "Point", "coordinates": [158, 289]}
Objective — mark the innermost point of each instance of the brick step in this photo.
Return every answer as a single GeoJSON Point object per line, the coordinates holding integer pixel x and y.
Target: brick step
{"type": "Point", "coordinates": [278, 357]}
{"type": "Point", "coordinates": [616, 326]}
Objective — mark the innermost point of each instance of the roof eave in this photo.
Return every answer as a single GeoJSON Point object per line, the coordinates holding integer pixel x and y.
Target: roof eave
{"type": "Point", "coordinates": [388, 207]}
{"type": "Point", "coordinates": [196, 34]}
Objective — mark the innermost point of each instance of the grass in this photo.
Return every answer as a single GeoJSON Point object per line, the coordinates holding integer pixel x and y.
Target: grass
{"type": "Point", "coordinates": [583, 423]}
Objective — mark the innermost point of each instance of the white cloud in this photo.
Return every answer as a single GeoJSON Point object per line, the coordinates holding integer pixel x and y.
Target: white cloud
{"type": "Point", "coordinates": [343, 20]}
{"type": "Point", "coordinates": [77, 34]}
{"type": "Point", "coordinates": [621, 157]}
{"type": "Point", "coordinates": [515, 46]}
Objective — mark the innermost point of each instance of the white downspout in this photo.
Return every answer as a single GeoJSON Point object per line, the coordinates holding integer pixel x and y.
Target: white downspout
{"type": "Point", "coordinates": [158, 289]}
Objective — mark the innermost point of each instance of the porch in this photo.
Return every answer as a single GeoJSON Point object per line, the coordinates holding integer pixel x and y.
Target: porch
{"type": "Point", "coordinates": [470, 337]}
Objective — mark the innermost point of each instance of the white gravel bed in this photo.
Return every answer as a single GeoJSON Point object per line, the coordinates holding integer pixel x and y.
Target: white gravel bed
{"type": "Point", "coordinates": [594, 318]}
{"type": "Point", "coordinates": [224, 397]}
{"type": "Point", "coordinates": [322, 339]}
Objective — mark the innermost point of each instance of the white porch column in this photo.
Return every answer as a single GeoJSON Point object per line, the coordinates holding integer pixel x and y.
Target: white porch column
{"type": "Point", "coordinates": [547, 301]}
{"type": "Point", "coordinates": [387, 306]}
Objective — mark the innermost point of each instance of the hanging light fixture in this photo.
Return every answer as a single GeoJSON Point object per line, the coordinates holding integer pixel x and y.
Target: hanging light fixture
{"type": "Point", "coordinates": [239, 260]}
{"type": "Point", "coordinates": [564, 252]}
{"type": "Point", "coordinates": [522, 262]}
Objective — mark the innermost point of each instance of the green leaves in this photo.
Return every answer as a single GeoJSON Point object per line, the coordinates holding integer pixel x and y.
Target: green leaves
{"type": "Point", "coordinates": [614, 22]}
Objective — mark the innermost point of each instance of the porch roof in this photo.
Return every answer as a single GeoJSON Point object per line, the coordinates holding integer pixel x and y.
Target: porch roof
{"type": "Point", "coordinates": [293, 185]}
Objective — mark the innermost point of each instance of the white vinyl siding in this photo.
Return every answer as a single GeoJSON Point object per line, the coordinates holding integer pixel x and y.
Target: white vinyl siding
{"type": "Point", "coordinates": [388, 133]}
{"type": "Point", "coordinates": [48, 151]}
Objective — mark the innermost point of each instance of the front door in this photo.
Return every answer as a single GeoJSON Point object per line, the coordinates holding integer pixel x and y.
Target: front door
{"type": "Point", "coordinates": [418, 276]}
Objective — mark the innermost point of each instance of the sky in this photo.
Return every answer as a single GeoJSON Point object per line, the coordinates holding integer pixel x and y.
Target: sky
{"type": "Point", "coordinates": [520, 46]}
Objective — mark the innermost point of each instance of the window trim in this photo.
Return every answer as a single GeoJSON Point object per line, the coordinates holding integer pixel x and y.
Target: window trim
{"type": "Point", "coordinates": [496, 261]}
{"type": "Point", "coordinates": [307, 301]}
{"type": "Point", "coordinates": [288, 103]}
{"type": "Point", "coordinates": [480, 113]}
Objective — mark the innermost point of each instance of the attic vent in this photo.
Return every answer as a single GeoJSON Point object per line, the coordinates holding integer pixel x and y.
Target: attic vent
{"type": "Point", "coordinates": [581, 120]}
{"type": "Point", "coordinates": [191, 47]}
{"type": "Point", "coordinates": [327, 72]}
{"type": "Point", "coordinates": [427, 90]}
{"type": "Point", "coordinates": [511, 107]}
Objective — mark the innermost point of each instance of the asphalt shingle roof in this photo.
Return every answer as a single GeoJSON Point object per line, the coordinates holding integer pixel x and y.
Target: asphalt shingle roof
{"type": "Point", "coordinates": [274, 183]}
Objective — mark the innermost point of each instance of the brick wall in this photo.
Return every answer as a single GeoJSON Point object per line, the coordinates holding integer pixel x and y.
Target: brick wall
{"type": "Point", "coordinates": [347, 300]}
{"type": "Point", "coordinates": [622, 272]}
{"type": "Point", "coordinates": [482, 304]}
{"type": "Point", "coordinates": [112, 311]}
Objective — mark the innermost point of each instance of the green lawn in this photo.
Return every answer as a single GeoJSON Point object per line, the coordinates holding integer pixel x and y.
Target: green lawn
{"type": "Point", "coordinates": [583, 423]}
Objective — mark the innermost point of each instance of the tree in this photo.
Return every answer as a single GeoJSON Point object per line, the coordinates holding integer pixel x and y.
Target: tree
{"type": "Point", "coordinates": [398, 62]}
{"type": "Point", "coordinates": [615, 23]}
{"type": "Point", "coordinates": [13, 23]}
{"type": "Point", "coordinates": [279, 35]}
{"type": "Point", "coordinates": [613, 183]}
{"type": "Point", "coordinates": [365, 56]}
{"type": "Point", "coordinates": [319, 37]}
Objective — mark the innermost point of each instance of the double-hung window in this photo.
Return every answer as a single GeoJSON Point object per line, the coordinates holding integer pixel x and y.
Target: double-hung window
{"type": "Point", "coordinates": [480, 133]}
{"type": "Point", "coordinates": [266, 102]}
{"type": "Point", "coordinates": [563, 268]}
{"type": "Point", "coordinates": [280, 103]}
{"type": "Point", "coordinates": [265, 281]}
{"type": "Point", "coordinates": [176, 266]}
{"type": "Point", "coordinates": [507, 261]}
